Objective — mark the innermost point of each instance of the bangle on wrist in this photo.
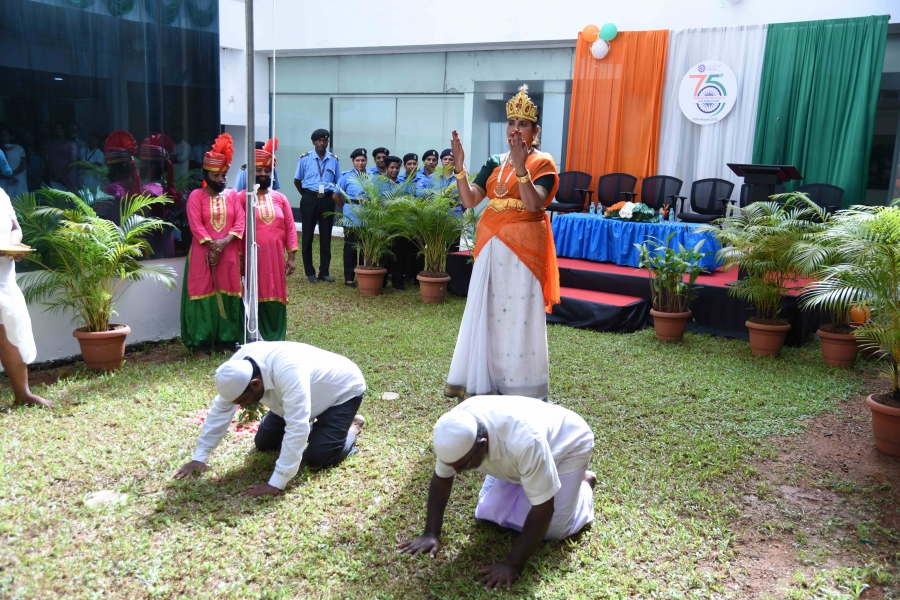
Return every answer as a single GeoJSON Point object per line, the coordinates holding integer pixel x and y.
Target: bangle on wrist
{"type": "Point", "coordinates": [461, 175]}
{"type": "Point", "coordinates": [524, 178]}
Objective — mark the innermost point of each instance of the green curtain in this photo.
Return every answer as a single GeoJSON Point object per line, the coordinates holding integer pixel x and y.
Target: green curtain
{"type": "Point", "coordinates": [822, 79]}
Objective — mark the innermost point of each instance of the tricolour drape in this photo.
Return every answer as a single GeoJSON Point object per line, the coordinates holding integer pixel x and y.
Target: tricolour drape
{"type": "Point", "coordinates": [616, 102]}
{"type": "Point", "coordinates": [690, 151]}
{"type": "Point", "coordinates": [822, 79]}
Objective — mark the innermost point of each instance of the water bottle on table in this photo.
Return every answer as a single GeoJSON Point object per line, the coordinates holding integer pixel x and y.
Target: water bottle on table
{"type": "Point", "coordinates": [592, 209]}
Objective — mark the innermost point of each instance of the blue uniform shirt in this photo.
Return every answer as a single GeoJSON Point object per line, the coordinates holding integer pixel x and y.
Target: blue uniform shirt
{"type": "Point", "coordinates": [374, 171]}
{"type": "Point", "coordinates": [353, 192]}
{"type": "Point", "coordinates": [312, 171]}
{"type": "Point", "coordinates": [241, 184]}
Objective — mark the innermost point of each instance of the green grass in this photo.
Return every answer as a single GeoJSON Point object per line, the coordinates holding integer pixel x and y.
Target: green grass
{"type": "Point", "coordinates": [677, 430]}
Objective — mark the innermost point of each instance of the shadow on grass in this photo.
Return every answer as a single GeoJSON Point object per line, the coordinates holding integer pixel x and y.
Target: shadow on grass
{"type": "Point", "coordinates": [467, 545]}
{"type": "Point", "coordinates": [212, 498]}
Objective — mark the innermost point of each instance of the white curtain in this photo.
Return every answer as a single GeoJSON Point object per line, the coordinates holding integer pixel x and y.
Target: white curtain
{"type": "Point", "coordinates": [689, 151]}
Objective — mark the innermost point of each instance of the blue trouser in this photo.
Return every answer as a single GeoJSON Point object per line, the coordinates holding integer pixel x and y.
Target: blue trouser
{"type": "Point", "coordinates": [330, 438]}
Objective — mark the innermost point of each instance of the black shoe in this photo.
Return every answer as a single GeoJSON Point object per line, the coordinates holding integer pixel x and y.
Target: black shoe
{"type": "Point", "coordinates": [400, 288]}
{"type": "Point", "coordinates": [326, 278]}
{"type": "Point", "coordinates": [312, 279]}
{"type": "Point", "coordinates": [350, 283]}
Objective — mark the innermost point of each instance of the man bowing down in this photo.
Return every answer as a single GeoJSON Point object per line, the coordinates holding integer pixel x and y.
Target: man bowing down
{"type": "Point", "coordinates": [535, 456]}
{"type": "Point", "coordinates": [298, 383]}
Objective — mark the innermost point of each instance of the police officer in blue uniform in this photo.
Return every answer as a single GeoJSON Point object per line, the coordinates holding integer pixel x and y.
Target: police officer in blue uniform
{"type": "Point", "coordinates": [315, 179]}
{"type": "Point", "coordinates": [241, 184]}
{"type": "Point", "coordinates": [378, 156]}
{"type": "Point", "coordinates": [352, 194]}
{"type": "Point", "coordinates": [410, 167]}
{"type": "Point", "coordinates": [424, 178]}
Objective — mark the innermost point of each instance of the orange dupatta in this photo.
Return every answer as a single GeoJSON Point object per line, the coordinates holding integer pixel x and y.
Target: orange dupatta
{"type": "Point", "coordinates": [526, 233]}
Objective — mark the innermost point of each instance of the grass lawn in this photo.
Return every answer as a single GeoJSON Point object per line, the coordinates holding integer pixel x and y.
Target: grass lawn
{"type": "Point", "coordinates": [679, 430]}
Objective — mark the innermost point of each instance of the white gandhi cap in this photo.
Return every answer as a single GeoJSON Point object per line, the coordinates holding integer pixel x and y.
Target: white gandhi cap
{"type": "Point", "coordinates": [454, 435]}
{"type": "Point", "coordinates": [232, 378]}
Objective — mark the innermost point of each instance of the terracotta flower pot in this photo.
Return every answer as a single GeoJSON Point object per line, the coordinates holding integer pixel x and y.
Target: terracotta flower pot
{"type": "Point", "coordinates": [103, 350]}
{"type": "Point", "coordinates": [838, 349]}
{"type": "Point", "coordinates": [670, 326]}
{"type": "Point", "coordinates": [766, 340]}
{"type": "Point", "coordinates": [885, 426]}
{"type": "Point", "coordinates": [433, 289]}
{"type": "Point", "coordinates": [369, 280]}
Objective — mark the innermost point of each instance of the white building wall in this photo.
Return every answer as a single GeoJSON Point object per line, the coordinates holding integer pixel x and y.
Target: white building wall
{"type": "Point", "coordinates": [152, 312]}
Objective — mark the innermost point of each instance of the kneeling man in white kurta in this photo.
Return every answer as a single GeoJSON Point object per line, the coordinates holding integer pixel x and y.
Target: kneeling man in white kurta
{"type": "Point", "coordinates": [535, 456]}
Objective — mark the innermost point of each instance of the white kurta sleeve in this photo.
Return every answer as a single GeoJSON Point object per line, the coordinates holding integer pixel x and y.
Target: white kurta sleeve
{"type": "Point", "coordinates": [442, 469]}
{"type": "Point", "coordinates": [294, 383]}
{"type": "Point", "coordinates": [214, 428]}
{"type": "Point", "coordinates": [537, 472]}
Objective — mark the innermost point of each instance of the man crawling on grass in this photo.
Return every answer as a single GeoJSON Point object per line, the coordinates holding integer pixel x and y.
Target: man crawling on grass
{"type": "Point", "coordinates": [535, 456]}
{"type": "Point", "coordinates": [298, 383]}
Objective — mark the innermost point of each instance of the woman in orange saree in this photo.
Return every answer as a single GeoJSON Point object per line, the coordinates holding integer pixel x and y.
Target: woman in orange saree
{"type": "Point", "coordinates": [502, 342]}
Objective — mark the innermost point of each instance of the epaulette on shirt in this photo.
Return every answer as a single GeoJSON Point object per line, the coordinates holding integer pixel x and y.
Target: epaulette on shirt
{"type": "Point", "coordinates": [243, 167]}
{"type": "Point", "coordinates": [304, 154]}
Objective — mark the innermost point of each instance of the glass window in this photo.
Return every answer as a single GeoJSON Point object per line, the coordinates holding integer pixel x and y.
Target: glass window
{"type": "Point", "coordinates": [75, 70]}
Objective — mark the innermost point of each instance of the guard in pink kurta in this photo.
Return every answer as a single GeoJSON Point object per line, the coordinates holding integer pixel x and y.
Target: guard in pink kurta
{"type": "Point", "coordinates": [213, 218]}
{"type": "Point", "coordinates": [276, 234]}
{"type": "Point", "coordinates": [212, 310]}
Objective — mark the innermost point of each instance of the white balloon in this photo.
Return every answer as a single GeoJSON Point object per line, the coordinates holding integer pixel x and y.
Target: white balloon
{"type": "Point", "coordinates": [599, 49]}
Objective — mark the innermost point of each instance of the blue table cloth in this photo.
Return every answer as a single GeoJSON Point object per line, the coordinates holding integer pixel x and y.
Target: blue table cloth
{"type": "Point", "coordinates": [581, 235]}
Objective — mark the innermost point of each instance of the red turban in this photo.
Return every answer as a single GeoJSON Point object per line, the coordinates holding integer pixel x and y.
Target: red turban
{"type": "Point", "coordinates": [265, 157]}
{"type": "Point", "coordinates": [218, 159]}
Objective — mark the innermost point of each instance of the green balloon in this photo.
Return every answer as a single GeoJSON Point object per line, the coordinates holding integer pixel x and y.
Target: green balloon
{"type": "Point", "coordinates": [608, 32]}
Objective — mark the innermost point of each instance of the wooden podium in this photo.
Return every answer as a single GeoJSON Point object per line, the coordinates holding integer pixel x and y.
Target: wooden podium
{"type": "Point", "coordinates": [762, 179]}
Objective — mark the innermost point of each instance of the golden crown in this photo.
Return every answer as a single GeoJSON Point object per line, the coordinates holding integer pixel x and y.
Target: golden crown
{"type": "Point", "coordinates": [521, 106]}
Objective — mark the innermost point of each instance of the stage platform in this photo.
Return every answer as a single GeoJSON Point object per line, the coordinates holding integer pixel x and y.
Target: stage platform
{"type": "Point", "coordinates": [617, 306]}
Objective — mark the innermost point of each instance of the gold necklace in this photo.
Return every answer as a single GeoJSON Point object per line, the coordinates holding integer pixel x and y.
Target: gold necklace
{"type": "Point", "coordinates": [500, 190]}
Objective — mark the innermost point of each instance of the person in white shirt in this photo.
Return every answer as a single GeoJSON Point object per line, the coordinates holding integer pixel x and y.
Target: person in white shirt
{"type": "Point", "coordinates": [17, 347]}
{"type": "Point", "coordinates": [93, 154]}
{"type": "Point", "coordinates": [182, 154]}
{"type": "Point", "coordinates": [298, 383]}
{"type": "Point", "coordinates": [535, 456]}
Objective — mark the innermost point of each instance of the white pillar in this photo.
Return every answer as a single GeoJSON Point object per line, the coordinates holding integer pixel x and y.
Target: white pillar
{"type": "Point", "coordinates": [553, 119]}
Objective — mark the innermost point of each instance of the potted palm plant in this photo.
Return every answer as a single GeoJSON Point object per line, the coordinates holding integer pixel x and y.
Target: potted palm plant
{"type": "Point", "coordinates": [673, 283]}
{"type": "Point", "coordinates": [815, 249]}
{"type": "Point", "coordinates": [868, 274]}
{"type": "Point", "coordinates": [431, 225]}
{"type": "Point", "coordinates": [757, 239]}
{"type": "Point", "coordinates": [374, 219]}
{"type": "Point", "coordinates": [86, 264]}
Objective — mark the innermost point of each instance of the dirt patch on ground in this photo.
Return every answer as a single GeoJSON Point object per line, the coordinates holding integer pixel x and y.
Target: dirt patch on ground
{"type": "Point", "coordinates": [828, 501]}
{"type": "Point", "coordinates": [153, 353]}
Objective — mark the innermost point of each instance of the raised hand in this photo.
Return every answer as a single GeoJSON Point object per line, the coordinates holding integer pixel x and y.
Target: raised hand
{"type": "Point", "coordinates": [459, 155]}
{"type": "Point", "coordinates": [518, 151]}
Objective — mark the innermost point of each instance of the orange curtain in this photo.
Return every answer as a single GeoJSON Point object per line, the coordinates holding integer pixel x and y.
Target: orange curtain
{"type": "Point", "coordinates": [616, 106]}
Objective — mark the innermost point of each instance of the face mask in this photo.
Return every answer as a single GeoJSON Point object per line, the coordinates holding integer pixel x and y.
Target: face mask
{"type": "Point", "coordinates": [216, 186]}
{"type": "Point", "coordinates": [263, 182]}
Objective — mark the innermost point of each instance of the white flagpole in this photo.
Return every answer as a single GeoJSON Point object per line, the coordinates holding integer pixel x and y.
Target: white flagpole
{"type": "Point", "coordinates": [251, 291]}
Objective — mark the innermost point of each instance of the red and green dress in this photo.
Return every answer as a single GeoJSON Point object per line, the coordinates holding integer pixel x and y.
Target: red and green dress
{"type": "Point", "coordinates": [276, 235]}
{"type": "Point", "coordinates": [212, 309]}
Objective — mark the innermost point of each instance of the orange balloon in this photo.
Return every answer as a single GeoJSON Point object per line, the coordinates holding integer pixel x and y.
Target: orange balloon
{"type": "Point", "coordinates": [860, 314]}
{"type": "Point", "coordinates": [591, 33]}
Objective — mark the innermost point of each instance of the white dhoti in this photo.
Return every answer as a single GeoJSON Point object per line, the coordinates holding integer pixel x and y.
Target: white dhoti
{"type": "Point", "coordinates": [502, 342]}
{"type": "Point", "coordinates": [506, 504]}
{"type": "Point", "coordinates": [15, 319]}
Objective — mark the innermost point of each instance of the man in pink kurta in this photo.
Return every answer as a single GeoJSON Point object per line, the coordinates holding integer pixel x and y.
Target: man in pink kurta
{"type": "Point", "coordinates": [212, 315]}
{"type": "Point", "coordinates": [276, 234]}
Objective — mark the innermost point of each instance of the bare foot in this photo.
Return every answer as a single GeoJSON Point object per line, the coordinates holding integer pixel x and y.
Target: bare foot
{"type": "Point", "coordinates": [201, 354]}
{"type": "Point", "coordinates": [358, 422]}
{"type": "Point", "coordinates": [35, 400]}
{"type": "Point", "coordinates": [591, 478]}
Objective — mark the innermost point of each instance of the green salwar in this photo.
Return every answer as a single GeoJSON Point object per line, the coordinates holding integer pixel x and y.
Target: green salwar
{"type": "Point", "coordinates": [273, 321]}
{"type": "Point", "coordinates": [202, 327]}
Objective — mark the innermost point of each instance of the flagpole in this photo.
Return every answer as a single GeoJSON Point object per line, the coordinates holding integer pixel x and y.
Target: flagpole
{"type": "Point", "coordinates": [251, 290]}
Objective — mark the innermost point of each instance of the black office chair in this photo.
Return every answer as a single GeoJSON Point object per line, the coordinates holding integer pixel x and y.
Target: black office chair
{"type": "Point", "coordinates": [742, 201]}
{"type": "Point", "coordinates": [825, 195]}
{"type": "Point", "coordinates": [573, 192]}
{"type": "Point", "coordinates": [656, 189]}
{"type": "Point", "coordinates": [709, 199]}
{"type": "Point", "coordinates": [613, 188]}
